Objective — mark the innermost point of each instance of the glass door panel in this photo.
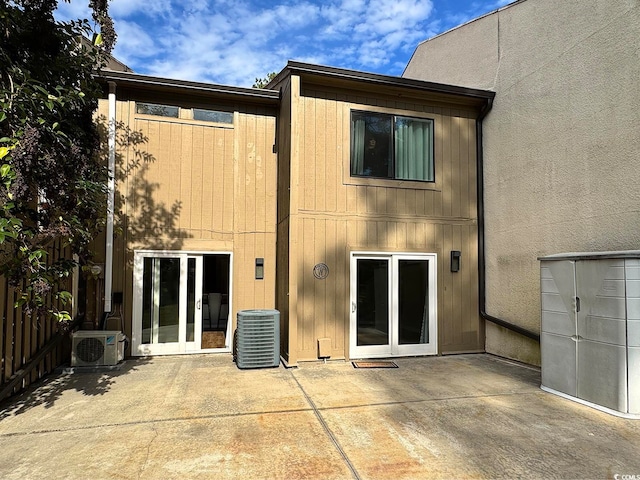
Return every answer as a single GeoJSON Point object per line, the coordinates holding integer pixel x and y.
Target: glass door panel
{"type": "Point", "coordinates": [191, 299]}
{"type": "Point", "coordinates": [415, 293]}
{"type": "Point", "coordinates": [413, 302]}
{"type": "Point", "coordinates": [372, 311]}
{"type": "Point", "coordinates": [160, 296]}
{"type": "Point", "coordinates": [166, 297]}
{"type": "Point", "coordinates": [194, 303]}
{"type": "Point", "coordinates": [216, 287]}
{"type": "Point", "coordinates": [147, 301]}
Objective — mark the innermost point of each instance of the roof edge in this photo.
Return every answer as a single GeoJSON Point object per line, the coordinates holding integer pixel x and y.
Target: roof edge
{"type": "Point", "coordinates": [382, 80]}
{"type": "Point", "coordinates": [473, 20]}
{"type": "Point", "coordinates": [136, 79]}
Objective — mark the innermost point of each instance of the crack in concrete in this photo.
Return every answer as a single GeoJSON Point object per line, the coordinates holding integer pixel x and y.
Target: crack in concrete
{"type": "Point", "coordinates": [146, 459]}
{"type": "Point", "coordinates": [312, 408]}
{"type": "Point", "coordinates": [327, 430]}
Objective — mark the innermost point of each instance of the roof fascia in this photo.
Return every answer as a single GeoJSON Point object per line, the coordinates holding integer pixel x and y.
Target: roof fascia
{"type": "Point", "coordinates": [134, 80]}
{"type": "Point", "coordinates": [323, 74]}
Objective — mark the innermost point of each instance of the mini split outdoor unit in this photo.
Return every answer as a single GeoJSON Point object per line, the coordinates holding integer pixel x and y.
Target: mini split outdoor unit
{"type": "Point", "coordinates": [258, 339]}
{"type": "Point", "coordinates": [93, 348]}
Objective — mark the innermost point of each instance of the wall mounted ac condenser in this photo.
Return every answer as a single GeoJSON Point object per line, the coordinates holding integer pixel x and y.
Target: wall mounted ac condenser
{"type": "Point", "coordinates": [258, 339]}
{"type": "Point", "coordinates": [93, 348]}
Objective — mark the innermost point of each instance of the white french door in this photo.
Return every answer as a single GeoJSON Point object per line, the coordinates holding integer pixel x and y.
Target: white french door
{"type": "Point", "coordinates": [167, 303]}
{"type": "Point", "coordinates": [393, 305]}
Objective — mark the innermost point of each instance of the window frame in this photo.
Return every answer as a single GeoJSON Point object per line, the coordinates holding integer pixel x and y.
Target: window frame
{"type": "Point", "coordinates": [158, 106]}
{"type": "Point", "coordinates": [212, 111]}
{"type": "Point", "coordinates": [185, 114]}
{"type": "Point", "coordinates": [393, 117]}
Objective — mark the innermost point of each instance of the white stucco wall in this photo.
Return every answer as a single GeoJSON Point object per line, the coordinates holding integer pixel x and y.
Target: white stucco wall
{"type": "Point", "coordinates": [561, 145]}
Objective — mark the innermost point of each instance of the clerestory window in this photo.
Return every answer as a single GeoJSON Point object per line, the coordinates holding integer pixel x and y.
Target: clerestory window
{"type": "Point", "coordinates": [199, 114]}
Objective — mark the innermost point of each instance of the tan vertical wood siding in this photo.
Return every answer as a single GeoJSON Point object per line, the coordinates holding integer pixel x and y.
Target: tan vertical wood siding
{"type": "Point", "coordinates": [338, 214]}
{"type": "Point", "coordinates": [283, 205]}
{"type": "Point", "coordinates": [202, 187]}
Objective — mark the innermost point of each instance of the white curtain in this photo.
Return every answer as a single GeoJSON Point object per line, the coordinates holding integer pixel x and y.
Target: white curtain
{"type": "Point", "coordinates": [357, 146]}
{"type": "Point", "coordinates": [414, 160]}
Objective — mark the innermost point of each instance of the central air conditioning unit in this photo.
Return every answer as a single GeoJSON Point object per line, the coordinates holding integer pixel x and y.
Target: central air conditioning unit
{"type": "Point", "coordinates": [258, 339]}
{"type": "Point", "coordinates": [94, 348]}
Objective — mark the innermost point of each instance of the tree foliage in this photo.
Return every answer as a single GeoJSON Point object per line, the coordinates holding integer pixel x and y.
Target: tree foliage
{"type": "Point", "coordinates": [52, 177]}
{"type": "Point", "coordinates": [263, 82]}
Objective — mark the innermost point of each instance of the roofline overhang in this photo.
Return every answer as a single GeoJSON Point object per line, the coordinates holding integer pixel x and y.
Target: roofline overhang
{"type": "Point", "coordinates": [138, 81]}
{"type": "Point", "coordinates": [333, 73]}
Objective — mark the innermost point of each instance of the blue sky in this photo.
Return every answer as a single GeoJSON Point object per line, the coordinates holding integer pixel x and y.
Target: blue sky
{"type": "Point", "coordinates": [232, 42]}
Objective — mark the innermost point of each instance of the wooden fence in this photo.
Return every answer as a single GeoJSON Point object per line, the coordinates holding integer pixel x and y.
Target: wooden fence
{"type": "Point", "coordinates": [30, 347]}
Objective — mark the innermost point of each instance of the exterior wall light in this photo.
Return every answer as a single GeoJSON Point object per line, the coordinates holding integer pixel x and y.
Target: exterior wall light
{"type": "Point", "coordinates": [455, 260]}
{"type": "Point", "coordinates": [259, 268]}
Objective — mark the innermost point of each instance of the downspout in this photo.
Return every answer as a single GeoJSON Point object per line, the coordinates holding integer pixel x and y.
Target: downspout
{"type": "Point", "coordinates": [108, 260]}
{"type": "Point", "coordinates": [482, 271]}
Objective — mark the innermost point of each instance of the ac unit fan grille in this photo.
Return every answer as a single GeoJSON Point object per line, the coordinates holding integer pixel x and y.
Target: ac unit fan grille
{"type": "Point", "coordinates": [97, 348]}
{"type": "Point", "coordinates": [258, 338]}
{"type": "Point", "coordinates": [90, 349]}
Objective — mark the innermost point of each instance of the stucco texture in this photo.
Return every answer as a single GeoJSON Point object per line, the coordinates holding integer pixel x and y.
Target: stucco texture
{"type": "Point", "coordinates": [561, 144]}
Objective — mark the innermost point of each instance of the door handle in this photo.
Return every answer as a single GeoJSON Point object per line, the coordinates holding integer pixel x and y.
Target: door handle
{"type": "Point", "coordinates": [353, 307]}
{"type": "Point", "coordinates": [198, 304]}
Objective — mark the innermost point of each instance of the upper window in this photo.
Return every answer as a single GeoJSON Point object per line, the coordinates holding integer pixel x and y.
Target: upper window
{"type": "Point", "coordinates": [212, 116]}
{"type": "Point", "coordinates": [391, 146]}
{"type": "Point", "coordinates": [157, 109]}
{"type": "Point", "coordinates": [199, 114]}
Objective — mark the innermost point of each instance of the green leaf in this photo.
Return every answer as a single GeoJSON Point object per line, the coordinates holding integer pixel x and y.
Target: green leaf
{"type": "Point", "coordinates": [64, 297]}
{"type": "Point", "coordinates": [37, 255]}
{"type": "Point", "coordinates": [6, 168]}
{"type": "Point", "coordinates": [61, 316]}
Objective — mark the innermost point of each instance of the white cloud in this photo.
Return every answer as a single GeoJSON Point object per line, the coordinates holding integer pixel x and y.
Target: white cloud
{"type": "Point", "coordinates": [73, 10]}
{"type": "Point", "coordinates": [134, 44]}
{"type": "Point", "coordinates": [235, 41]}
{"type": "Point", "coordinates": [379, 28]}
{"type": "Point", "coordinates": [125, 8]}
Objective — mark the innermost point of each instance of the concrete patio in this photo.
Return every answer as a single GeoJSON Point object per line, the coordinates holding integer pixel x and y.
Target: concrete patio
{"type": "Point", "coordinates": [467, 416]}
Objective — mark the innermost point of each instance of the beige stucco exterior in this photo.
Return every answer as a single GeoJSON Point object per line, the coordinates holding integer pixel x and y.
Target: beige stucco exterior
{"type": "Point", "coordinates": [560, 144]}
